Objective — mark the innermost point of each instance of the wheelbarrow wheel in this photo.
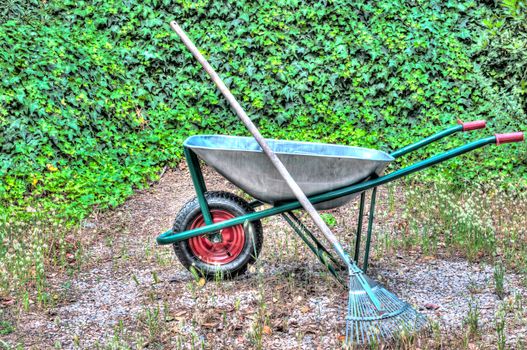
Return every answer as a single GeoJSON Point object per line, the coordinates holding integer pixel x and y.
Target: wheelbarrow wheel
{"type": "Point", "coordinates": [239, 246]}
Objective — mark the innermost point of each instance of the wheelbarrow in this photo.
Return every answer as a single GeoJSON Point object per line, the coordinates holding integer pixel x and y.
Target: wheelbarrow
{"type": "Point", "coordinates": [220, 233]}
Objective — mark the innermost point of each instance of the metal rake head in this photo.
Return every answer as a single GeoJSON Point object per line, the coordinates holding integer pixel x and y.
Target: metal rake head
{"type": "Point", "coordinates": [367, 324]}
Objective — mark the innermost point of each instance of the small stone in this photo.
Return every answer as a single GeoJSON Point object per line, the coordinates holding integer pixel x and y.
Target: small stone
{"type": "Point", "coordinates": [267, 330]}
{"type": "Point", "coordinates": [431, 306]}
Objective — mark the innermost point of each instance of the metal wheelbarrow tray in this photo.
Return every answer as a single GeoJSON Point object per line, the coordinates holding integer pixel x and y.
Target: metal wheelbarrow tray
{"type": "Point", "coordinates": [316, 167]}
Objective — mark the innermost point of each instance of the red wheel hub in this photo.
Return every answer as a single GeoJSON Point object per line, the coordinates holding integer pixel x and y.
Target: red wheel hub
{"type": "Point", "coordinates": [231, 245]}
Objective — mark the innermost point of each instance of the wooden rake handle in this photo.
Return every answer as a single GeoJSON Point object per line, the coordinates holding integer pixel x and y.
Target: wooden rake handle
{"type": "Point", "coordinates": [354, 270]}
{"type": "Point", "coordinates": [299, 194]}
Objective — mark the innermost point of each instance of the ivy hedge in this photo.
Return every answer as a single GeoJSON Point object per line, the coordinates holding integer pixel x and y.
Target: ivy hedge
{"type": "Point", "coordinates": [97, 96]}
{"type": "Point", "coordinates": [500, 51]}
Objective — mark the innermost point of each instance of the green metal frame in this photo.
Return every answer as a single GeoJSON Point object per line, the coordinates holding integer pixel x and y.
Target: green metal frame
{"type": "Point", "coordinates": [199, 183]}
{"type": "Point", "coordinates": [427, 141]}
{"type": "Point", "coordinates": [359, 227]}
{"type": "Point", "coordinates": [370, 229]}
{"type": "Point", "coordinates": [323, 255]}
{"type": "Point", "coordinates": [286, 209]}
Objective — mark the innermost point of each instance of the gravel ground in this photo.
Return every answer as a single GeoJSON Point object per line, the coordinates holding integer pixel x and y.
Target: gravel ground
{"type": "Point", "coordinates": [452, 286]}
{"type": "Point", "coordinates": [131, 292]}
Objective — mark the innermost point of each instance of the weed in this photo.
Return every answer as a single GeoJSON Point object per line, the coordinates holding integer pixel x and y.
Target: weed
{"type": "Point", "coordinates": [436, 332]}
{"type": "Point", "coordinates": [472, 319]}
{"type": "Point", "coordinates": [155, 277]}
{"type": "Point", "coordinates": [499, 276]}
{"type": "Point", "coordinates": [329, 219]}
{"type": "Point", "coordinates": [500, 329]}
{"type": "Point", "coordinates": [260, 323]}
{"type": "Point", "coordinates": [76, 341]}
{"type": "Point", "coordinates": [151, 317]}
{"type": "Point", "coordinates": [136, 280]}
{"type": "Point", "coordinates": [6, 327]}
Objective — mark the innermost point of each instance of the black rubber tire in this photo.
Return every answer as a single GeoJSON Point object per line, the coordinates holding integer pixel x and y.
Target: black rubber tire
{"type": "Point", "coordinates": [237, 207]}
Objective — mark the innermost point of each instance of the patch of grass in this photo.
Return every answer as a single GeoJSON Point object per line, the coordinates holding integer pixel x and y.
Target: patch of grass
{"type": "Point", "coordinates": [479, 223]}
{"type": "Point", "coordinates": [123, 339]}
{"type": "Point", "coordinates": [6, 327]}
{"type": "Point", "coordinates": [32, 245]}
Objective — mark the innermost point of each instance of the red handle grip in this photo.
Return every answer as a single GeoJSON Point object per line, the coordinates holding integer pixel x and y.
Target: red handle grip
{"type": "Point", "coordinates": [475, 125]}
{"type": "Point", "coordinates": [508, 138]}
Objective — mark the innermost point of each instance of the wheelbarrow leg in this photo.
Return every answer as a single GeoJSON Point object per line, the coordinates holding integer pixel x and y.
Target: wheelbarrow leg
{"type": "Point", "coordinates": [370, 228]}
{"type": "Point", "coordinates": [359, 227]}
{"type": "Point", "coordinates": [199, 183]}
{"type": "Point", "coordinates": [325, 257]}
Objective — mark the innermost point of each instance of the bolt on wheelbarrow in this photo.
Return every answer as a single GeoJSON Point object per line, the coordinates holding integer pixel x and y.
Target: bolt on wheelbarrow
{"type": "Point", "coordinates": [221, 233]}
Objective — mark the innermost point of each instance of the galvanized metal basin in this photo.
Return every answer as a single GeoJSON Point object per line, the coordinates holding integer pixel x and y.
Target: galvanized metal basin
{"type": "Point", "coordinates": [316, 167]}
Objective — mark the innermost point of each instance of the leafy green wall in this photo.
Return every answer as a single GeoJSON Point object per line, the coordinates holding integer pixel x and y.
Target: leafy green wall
{"type": "Point", "coordinates": [97, 96]}
{"type": "Point", "coordinates": [500, 50]}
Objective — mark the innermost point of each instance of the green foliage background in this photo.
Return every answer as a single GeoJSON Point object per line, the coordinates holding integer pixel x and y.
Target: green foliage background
{"type": "Point", "coordinates": [500, 50]}
{"type": "Point", "coordinates": [97, 96]}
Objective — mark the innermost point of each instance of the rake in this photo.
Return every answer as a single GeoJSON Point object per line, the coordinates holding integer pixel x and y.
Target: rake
{"type": "Point", "coordinates": [374, 313]}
